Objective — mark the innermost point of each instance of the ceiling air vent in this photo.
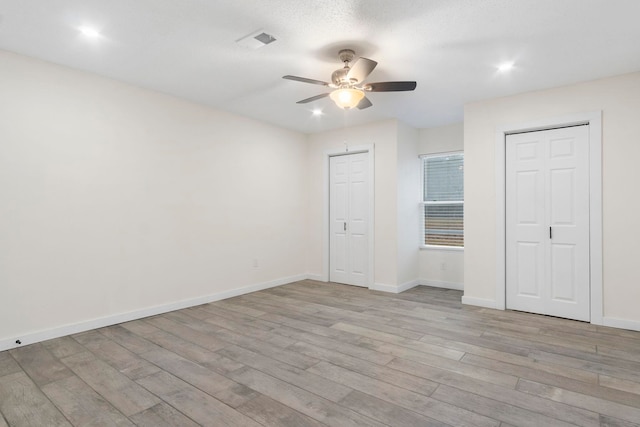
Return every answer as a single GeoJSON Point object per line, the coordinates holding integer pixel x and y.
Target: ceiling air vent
{"type": "Point", "coordinates": [256, 40]}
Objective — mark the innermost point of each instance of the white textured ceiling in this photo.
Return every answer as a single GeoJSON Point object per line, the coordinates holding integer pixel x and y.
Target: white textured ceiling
{"type": "Point", "coordinates": [450, 47]}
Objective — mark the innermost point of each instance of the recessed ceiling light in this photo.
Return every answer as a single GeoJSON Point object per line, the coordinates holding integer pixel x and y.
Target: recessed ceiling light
{"type": "Point", "coordinates": [317, 112]}
{"type": "Point", "coordinates": [89, 32]}
{"type": "Point", "coordinates": [505, 67]}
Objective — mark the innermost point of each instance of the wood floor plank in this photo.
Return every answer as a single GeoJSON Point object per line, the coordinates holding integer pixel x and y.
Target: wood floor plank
{"type": "Point", "coordinates": [310, 404]}
{"type": "Point", "coordinates": [23, 404]}
{"type": "Point", "coordinates": [210, 382]}
{"type": "Point", "coordinates": [187, 333]}
{"type": "Point", "coordinates": [267, 349]}
{"type": "Point", "coordinates": [480, 373]}
{"type": "Point", "coordinates": [614, 422]}
{"type": "Point", "coordinates": [162, 415]}
{"type": "Point", "coordinates": [516, 359]}
{"type": "Point", "coordinates": [382, 373]}
{"type": "Point", "coordinates": [132, 342]}
{"type": "Point", "coordinates": [481, 341]}
{"type": "Point", "coordinates": [194, 403]}
{"type": "Point", "coordinates": [40, 364]}
{"type": "Point", "coordinates": [502, 394]}
{"type": "Point", "coordinates": [619, 353]}
{"type": "Point", "coordinates": [619, 384]}
{"type": "Point", "coordinates": [116, 355]}
{"type": "Point", "coordinates": [225, 312]}
{"type": "Point", "coordinates": [140, 327]}
{"type": "Point", "coordinates": [580, 400]}
{"type": "Point", "coordinates": [120, 391]}
{"type": "Point", "coordinates": [298, 377]}
{"type": "Point", "coordinates": [401, 397]}
{"type": "Point", "coordinates": [271, 413]}
{"type": "Point", "coordinates": [386, 412]}
{"type": "Point", "coordinates": [231, 304]}
{"type": "Point", "coordinates": [598, 337]}
{"type": "Point", "coordinates": [401, 341]}
{"type": "Point", "coordinates": [573, 343]}
{"type": "Point", "coordinates": [492, 408]}
{"type": "Point", "coordinates": [194, 352]}
{"type": "Point", "coordinates": [63, 347]}
{"type": "Point", "coordinates": [82, 405]}
{"type": "Point", "coordinates": [599, 364]}
{"type": "Point", "coordinates": [555, 380]}
{"type": "Point", "coordinates": [340, 346]}
{"type": "Point", "coordinates": [8, 365]}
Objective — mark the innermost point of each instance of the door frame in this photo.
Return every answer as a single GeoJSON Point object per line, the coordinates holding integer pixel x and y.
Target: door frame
{"type": "Point", "coordinates": [594, 120]}
{"type": "Point", "coordinates": [356, 149]}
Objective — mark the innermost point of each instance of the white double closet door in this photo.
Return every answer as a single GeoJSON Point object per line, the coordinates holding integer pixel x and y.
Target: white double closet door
{"type": "Point", "coordinates": [349, 219]}
{"type": "Point", "coordinates": [547, 222]}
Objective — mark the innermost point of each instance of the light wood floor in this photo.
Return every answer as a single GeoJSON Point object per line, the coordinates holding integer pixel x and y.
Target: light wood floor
{"type": "Point", "coordinates": [311, 354]}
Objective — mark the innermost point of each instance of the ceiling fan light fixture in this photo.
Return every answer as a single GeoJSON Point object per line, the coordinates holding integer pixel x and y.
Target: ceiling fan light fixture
{"type": "Point", "coordinates": [346, 98]}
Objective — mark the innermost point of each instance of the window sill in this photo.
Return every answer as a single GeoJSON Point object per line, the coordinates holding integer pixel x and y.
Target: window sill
{"type": "Point", "coordinates": [442, 248]}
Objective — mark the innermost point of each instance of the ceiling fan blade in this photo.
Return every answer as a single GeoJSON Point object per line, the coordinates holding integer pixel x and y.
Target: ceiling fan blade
{"type": "Point", "coordinates": [305, 80]}
{"type": "Point", "coordinates": [364, 103]}
{"type": "Point", "coordinates": [389, 86]}
{"type": "Point", "coordinates": [313, 98]}
{"type": "Point", "coordinates": [361, 69]}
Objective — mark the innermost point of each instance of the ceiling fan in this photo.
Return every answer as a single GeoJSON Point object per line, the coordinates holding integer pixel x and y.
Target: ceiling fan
{"type": "Point", "coordinates": [348, 83]}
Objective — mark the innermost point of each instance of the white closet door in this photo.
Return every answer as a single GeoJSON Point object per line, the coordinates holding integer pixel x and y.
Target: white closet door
{"type": "Point", "coordinates": [547, 202]}
{"type": "Point", "coordinates": [349, 219]}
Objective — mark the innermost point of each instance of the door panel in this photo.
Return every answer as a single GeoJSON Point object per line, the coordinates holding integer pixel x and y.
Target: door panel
{"type": "Point", "coordinates": [525, 216]}
{"type": "Point", "coordinates": [338, 217]}
{"type": "Point", "coordinates": [568, 201]}
{"type": "Point", "coordinates": [349, 219]}
{"type": "Point", "coordinates": [547, 222]}
{"type": "Point", "coordinates": [528, 279]}
{"type": "Point", "coordinates": [563, 278]}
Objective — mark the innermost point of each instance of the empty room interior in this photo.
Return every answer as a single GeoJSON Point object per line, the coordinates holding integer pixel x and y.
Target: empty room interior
{"type": "Point", "coordinates": [341, 213]}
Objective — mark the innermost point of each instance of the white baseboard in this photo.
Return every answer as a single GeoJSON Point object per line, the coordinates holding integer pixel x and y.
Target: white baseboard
{"type": "Point", "coordinates": [60, 331]}
{"type": "Point", "coordinates": [480, 302]}
{"type": "Point", "coordinates": [408, 285]}
{"type": "Point", "coordinates": [614, 322]}
{"type": "Point", "coordinates": [444, 285]}
{"type": "Point", "coordinates": [316, 277]}
{"type": "Point", "coordinates": [395, 289]}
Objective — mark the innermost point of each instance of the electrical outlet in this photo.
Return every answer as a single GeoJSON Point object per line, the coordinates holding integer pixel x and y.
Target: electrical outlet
{"type": "Point", "coordinates": [255, 263]}
{"type": "Point", "coordinates": [443, 265]}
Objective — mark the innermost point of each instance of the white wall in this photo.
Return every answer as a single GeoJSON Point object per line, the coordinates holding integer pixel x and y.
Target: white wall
{"type": "Point", "coordinates": [115, 199]}
{"type": "Point", "coordinates": [442, 267]}
{"type": "Point", "coordinates": [619, 99]}
{"type": "Point", "coordinates": [384, 137]}
{"type": "Point", "coordinates": [408, 194]}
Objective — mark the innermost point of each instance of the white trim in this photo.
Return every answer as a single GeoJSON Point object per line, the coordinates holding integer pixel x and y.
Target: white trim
{"type": "Point", "coordinates": [101, 322]}
{"type": "Point", "coordinates": [480, 302]}
{"type": "Point", "coordinates": [442, 248]}
{"type": "Point", "coordinates": [594, 120]}
{"type": "Point", "coordinates": [316, 277]}
{"type": "Point", "coordinates": [424, 203]}
{"type": "Point", "coordinates": [395, 289]}
{"type": "Point", "coordinates": [444, 153]}
{"type": "Point", "coordinates": [364, 148]}
{"type": "Point", "coordinates": [443, 285]}
{"type": "Point", "coordinates": [632, 325]}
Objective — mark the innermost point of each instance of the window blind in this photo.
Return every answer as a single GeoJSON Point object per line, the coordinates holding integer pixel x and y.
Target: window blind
{"type": "Point", "coordinates": [443, 200]}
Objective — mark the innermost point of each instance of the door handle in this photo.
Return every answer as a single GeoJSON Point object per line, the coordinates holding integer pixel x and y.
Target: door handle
{"type": "Point", "coordinates": [345, 226]}
{"type": "Point", "coordinates": [550, 233]}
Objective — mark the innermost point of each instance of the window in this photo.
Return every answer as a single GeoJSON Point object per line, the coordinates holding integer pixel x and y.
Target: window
{"type": "Point", "coordinates": [443, 200]}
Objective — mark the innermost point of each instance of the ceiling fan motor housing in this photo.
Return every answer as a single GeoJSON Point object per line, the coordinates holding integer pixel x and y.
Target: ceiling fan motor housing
{"type": "Point", "coordinates": [339, 77]}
